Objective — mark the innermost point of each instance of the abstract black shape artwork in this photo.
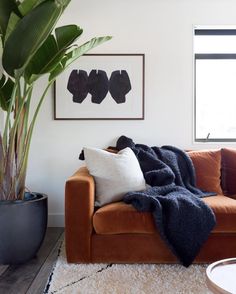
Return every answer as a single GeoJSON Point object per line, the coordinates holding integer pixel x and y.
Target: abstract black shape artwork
{"type": "Point", "coordinates": [119, 85]}
{"type": "Point", "coordinates": [78, 85]}
{"type": "Point", "coordinates": [98, 85]}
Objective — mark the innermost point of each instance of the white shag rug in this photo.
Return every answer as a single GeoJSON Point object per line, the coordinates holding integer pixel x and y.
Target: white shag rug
{"type": "Point", "coordinates": [125, 278]}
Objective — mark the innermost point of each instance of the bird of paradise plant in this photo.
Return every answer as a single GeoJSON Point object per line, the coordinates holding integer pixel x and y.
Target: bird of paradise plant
{"type": "Point", "coordinates": [30, 47]}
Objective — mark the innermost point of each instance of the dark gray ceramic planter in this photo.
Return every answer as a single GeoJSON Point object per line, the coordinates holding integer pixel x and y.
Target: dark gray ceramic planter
{"type": "Point", "coordinates": [22, 228]}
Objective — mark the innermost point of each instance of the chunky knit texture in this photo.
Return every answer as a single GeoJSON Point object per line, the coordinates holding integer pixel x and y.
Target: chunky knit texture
{"type": "Point", "coordinates": [183, 220]}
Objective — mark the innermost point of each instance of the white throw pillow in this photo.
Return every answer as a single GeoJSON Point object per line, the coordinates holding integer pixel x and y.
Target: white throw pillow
{"type": "Point", "coordinates": [114, 174]}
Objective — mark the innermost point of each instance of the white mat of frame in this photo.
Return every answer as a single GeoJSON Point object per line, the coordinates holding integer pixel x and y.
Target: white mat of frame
{"type": "Point", "coordinates": [125, 278]}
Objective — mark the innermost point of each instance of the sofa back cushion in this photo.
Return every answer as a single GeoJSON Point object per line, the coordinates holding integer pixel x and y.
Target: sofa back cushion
{"type": "Point", "coordinates": [228, 172]}
{"type": "Point", "coordinates": [207, 165]}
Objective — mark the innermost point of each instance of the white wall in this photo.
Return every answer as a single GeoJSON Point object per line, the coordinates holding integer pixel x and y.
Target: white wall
{"type": "Point", "coordinates": [162, 29]}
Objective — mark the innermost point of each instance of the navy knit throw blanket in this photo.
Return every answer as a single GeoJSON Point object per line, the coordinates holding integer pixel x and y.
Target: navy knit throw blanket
{"type": "Point", "coordinates": [183, 220]}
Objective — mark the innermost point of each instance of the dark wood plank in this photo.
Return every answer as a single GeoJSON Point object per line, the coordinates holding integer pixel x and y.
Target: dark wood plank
{"type": "Point", "coordinates": [17, 279]}
{"type": "Point", "coordinates": [39, 283]}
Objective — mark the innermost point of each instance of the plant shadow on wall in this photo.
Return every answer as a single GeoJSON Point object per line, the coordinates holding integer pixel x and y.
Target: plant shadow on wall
{"type": "Point", "coordinates": [31, 47]}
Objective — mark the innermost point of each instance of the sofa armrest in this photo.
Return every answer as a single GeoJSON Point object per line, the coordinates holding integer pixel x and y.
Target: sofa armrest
{"type": "Point", "coordinates": [79, 209]}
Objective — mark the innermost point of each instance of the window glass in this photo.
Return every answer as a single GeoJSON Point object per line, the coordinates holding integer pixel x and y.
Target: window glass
{"type": "Point", "coordinates": [215, 44]}
{"type": "Point", "coordinates": [215, 85]}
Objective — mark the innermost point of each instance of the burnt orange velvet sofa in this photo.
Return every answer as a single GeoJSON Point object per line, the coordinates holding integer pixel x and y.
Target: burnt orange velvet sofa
{"type": "Point", "coordinates": [117, 233]}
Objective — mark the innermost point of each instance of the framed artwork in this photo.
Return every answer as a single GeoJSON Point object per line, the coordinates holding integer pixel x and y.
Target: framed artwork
{"type": "Point", "coordinates": [101, 87]}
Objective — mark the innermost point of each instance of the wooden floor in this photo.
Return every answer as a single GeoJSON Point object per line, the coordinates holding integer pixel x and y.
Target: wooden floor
{"type": "Point", "coordinates": [32, 277]}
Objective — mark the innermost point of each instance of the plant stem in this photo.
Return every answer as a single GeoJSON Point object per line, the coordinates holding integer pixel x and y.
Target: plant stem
{"type": "Point", "coordinates": [22, 171]}
{"type": "Point", "coordinates": [22, 127]}
{"type": "Point", "coordinates": [12, 151]}
{"type": "Point", "coordinates": [7, 121]}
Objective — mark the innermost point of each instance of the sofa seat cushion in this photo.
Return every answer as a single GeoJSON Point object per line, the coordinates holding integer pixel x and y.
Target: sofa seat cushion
{"type": "Point", "coordinates": [121, 218]}
{"type": "Point", "coordinates": [225, 210]}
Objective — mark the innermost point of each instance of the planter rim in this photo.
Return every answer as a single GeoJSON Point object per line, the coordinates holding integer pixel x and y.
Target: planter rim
{"type": "Point", "coordinates": [39, 197]}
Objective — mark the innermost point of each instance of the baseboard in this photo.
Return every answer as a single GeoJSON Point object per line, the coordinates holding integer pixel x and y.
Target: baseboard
{"type": "Point", "coordinates": [56, 220]}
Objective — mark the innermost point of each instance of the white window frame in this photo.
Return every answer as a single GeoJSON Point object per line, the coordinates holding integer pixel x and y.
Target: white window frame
{"type": "Point", "coordinates": [216, 30]}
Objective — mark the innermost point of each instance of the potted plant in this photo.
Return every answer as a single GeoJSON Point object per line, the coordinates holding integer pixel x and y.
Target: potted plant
{"type": "Point", "coordinates": [30, 47]}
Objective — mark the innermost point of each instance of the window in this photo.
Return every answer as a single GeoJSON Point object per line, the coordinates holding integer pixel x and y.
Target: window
{"type": "Point", "coordinates": [215, 84]}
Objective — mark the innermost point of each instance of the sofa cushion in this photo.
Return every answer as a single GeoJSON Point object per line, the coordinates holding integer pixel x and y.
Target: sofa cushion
{"type": "Point", "coordinates": [228, 171]}
{"type": "Point", "coordinates": [114, 174]}
{"type": "Point", "coordinates": [225, 212]}
{"type": "Point", "coordinates": [207, 165]}
{"type": "Point", "coordinates": [121, 218]}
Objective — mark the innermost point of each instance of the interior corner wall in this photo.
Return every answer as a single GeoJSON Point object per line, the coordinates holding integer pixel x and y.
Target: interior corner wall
{"type": "Point", "coordinates": [163, 30]}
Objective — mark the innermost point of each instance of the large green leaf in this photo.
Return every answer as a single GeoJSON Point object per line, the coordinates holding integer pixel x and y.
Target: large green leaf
{"type": "Point", "coordinates": [51, 52]}
{"type": "Point", "coordinates": [42, 59]}
{"type": "Point", "coordinates": [63, 2]}
{"type": "Point", "coordinates": [29, 35]}
{"type": "Point", "coordinates": [27, 5]}
{"type": "Point", "coordinates": [66, 35]}
{"type": "Point", "coordinates": [6, 88]}
{"type": "Point", "coordinates": [6, 8]}
{"type": "Point", "coordinates": [74, 54]}
{"type": "Point", "coordinates": [13, 21]}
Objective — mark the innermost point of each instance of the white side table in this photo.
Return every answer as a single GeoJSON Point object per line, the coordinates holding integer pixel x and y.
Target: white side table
{"type": "Point", "coordinates": [221, 276]}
